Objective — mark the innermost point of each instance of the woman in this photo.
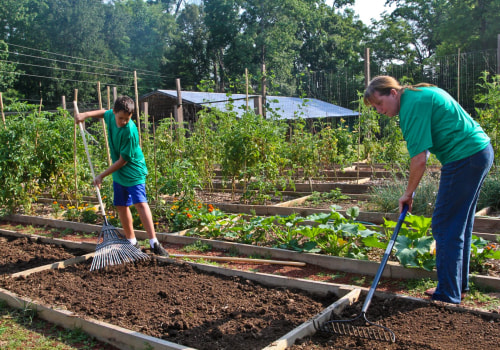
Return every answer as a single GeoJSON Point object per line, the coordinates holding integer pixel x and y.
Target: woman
{"type": "Point", "coordinates": [432, 121]}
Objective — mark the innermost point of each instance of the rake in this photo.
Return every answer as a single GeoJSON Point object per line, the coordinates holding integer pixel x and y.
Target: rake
{"type": "Point", "coordinates": [360, 326]}
{"type": "Point", "coordinates": [112, 247]}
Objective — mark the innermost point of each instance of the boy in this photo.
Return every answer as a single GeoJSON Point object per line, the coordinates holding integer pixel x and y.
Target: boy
{"type": "Point", "coordinates": [128, 169]}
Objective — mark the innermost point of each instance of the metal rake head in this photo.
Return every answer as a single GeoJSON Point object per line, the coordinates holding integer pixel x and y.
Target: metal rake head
{"type": "Point", "coordinates": [359, 327]}
{"type": "Point", "coordinates": [114, 249]}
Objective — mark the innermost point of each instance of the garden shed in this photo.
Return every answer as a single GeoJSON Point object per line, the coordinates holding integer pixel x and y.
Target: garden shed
{"type": "Point", "coordinates": [164, 103]}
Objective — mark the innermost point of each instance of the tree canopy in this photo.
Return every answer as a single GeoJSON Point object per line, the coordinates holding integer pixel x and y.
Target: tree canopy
{"type": "Point", "coordinates": [54, 46]}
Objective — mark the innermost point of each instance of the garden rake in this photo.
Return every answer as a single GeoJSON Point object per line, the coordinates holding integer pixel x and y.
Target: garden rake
{"type": "Point", "coordinates": [359, 326]}
{"type": "Point", "coordinates": [112, 247]}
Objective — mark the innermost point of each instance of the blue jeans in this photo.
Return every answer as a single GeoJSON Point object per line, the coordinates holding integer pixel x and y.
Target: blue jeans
{"type": "Point", "coordinates": [453, 219]}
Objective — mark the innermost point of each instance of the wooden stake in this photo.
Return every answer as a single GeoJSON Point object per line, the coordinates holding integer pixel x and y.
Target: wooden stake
{"type": "Point", "coordinates": [246, 86]}
{"type": "Point", "coordinates": [109, 97]}
{"type": "Point", "coordinates": [74, 151]}
{"type": "Point", "coordinates": [103, 123]}
{"type": "Point", "coordinates": [137, 112]}
{"type": "Point", "coordinates": [3, 115]}
{"type": "Point", "coordinates": [179, 117]}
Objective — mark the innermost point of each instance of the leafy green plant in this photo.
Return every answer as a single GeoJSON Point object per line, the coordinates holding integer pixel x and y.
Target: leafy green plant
{"type": "Point", "coordinates": [89, 215]}
{"type": "Point", "coordinates": [197, 246]}
{"type": "Point", "coordinates": [481, 250]}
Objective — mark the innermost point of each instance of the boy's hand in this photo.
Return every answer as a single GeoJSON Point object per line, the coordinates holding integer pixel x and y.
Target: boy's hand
{"type": "Point", "coordinates": [98, 181]}
{"type": "Point", "coordinates": [79, 118]}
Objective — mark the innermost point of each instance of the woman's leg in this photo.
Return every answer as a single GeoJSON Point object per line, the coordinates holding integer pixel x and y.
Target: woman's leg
{"type": "Point", "coordinates": [452, 222]}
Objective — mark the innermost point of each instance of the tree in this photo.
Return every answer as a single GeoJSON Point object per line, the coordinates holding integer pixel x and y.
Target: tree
{"type": "Point", "coordinates": [470, 25]}
{"type": "Point", "coordinates": [186, 55]}
{"type": "Point", "coordinates": [7, 69]}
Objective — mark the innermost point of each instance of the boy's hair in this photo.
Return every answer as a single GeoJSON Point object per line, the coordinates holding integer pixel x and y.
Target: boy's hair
{"type": "Point", "coordinates": [124, 103]}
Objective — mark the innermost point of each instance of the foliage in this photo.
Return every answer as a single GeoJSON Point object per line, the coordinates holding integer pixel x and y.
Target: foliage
{"type": "Point", "coordinates": [29, 161]}
{"type": "Point", "coordinates": [489, 112]}
{"type": "Point", "coordinates": [490, 191]}
{"type": "Point", "coordinates": [386, 197]}
{"type": "Point", "coordinates": [481, 250]}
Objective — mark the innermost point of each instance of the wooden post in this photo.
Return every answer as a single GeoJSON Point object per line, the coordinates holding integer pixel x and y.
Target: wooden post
{"type": "Point", "coordinates": [257, 104]}
{"type": "Point", "coordinates": [63, 102]}
{"type": "Point", "coordinates": [263, 102]}
{"type": "Point", "coordinates": [458, 76]}
{"type": "Point", "coordinates": [367, 67]}
{"type": "Point", "coordinates": [3, 115]}
{"type": "Point", "coordinates": [103, 123]}
{"type": "Point", "coordinates": [109, 97]}
{"type": "Point", "coordinates": [246, 86]}
{"type": "Point", "coordinates": [74, 150]}
{"type": "Point", "coordinates": [145, 109]}
{"type": "Point", "coordinates": [179, 117]}
{"type": "Point", "coordinates": [137, 111]}
{"type": "Point", "coordinates": [115, 94]}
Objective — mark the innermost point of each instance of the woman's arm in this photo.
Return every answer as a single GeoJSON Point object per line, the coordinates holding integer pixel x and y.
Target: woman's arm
{"type": "Point", "coordinates": [417, 170]}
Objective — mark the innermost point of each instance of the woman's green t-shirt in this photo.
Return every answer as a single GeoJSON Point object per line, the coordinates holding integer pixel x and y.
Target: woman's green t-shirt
{"type": "Point", "coordinates": [124, 141]}
{"type": "Point", "coordinates": [431, 119]}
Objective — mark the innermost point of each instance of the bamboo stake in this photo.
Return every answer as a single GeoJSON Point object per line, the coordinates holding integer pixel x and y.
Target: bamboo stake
{"type": "Point", "coordinates": [246, 86]}
{"type": "Point", "coordinates": [137, 112]}
{"type": "Point", "coordinates": [241, 260]}
{"type": "Point", "coordinates": [103, 123]}
{"type": "Point", "coordinates": [3, 115]}
{"type": "Point", "coordinates": [109, 97]}
{"type": "Point", "coordinates": [74, 151]}
{"type": "Point", "coordinates": [154, 158]}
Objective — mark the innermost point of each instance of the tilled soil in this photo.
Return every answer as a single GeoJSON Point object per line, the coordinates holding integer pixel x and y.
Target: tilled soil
{"type": "Point", "coordinates": [181, 304]}
{"type": "Point", "coordinates": [19, 254]}
{"type": "Point", "coordinates": [175, 302]}
{"type": "Point", "coordinates": [417, 326]}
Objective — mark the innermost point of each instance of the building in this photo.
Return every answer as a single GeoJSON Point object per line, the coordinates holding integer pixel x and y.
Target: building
{"type": "Point", "coordinates": [163, 104]}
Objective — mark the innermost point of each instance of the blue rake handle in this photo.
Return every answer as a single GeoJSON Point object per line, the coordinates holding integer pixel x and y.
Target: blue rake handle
{"type": "Point", "coordinates": [387, 253]}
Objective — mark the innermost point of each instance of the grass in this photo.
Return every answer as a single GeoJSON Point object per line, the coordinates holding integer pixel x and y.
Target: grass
{"type": "Point", "coordinates": [22, 329]}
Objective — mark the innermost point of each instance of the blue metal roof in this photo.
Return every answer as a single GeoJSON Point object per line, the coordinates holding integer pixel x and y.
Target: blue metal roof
{"type": "Point", "coordinates": [285, 107]}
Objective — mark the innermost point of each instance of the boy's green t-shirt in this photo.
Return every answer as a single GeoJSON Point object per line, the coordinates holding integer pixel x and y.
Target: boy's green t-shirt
{"type": "Point", "coordinates": [124, 141]}
{"type": "Point", "coordinates": [431, 119]}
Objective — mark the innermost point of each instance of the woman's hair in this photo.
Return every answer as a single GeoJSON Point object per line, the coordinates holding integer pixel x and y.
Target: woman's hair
{"type": "Point", "coordinates": [124, 103]}
{"type": "Point", "coordinates": [383, 84]}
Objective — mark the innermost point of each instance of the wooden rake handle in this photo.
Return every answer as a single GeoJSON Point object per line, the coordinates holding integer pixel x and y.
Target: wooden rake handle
{"type": "Point", "coordinates": [82, 132]}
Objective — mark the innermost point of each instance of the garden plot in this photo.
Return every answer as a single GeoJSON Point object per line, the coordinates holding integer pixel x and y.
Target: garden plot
{"type": "Point", "coordinates": [417, 326]}
{"type": "Point", "coordinates": [174, 302]}
{"type": "Point", "coordinates": [19, 254]}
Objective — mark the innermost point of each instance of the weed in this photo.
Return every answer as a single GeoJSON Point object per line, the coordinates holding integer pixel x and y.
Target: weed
{"type": "Point", "coordinates": [197, 246]}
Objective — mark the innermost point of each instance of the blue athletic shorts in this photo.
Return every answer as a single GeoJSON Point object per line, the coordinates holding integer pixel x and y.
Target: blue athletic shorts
{"type": "Point", "coordinates": [126, 196]}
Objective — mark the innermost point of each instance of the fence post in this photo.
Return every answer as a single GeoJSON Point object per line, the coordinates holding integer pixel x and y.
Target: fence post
{"type": "Point", "coordinates": [179, 117]}
{"type": "Point", "coordinates": [367, 66]}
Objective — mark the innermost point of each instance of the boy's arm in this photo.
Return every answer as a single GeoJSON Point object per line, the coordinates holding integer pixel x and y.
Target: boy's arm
{"type": "Point", "coordinates": [80, 117]}
{"type": "Point", "coordinates": [114, 167]}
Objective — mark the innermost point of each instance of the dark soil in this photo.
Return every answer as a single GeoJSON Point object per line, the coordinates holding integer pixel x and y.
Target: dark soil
{"type": "Point", "coordinates": [416, 326]}
{"type": "Point", "coordinates": [19, 254]}
{"type": "Point", "coordinates": [181, 304]}
{"type": "Point", "coordinates": [175, 302]}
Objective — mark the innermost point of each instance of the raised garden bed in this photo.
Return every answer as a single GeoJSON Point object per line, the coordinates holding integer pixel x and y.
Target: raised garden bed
{"type": "Point", "coordinates": [174, 302]}
{"type": "Point", "coordinates": [417, 326]}
{"type": "Point", "coordinates": [19, 254]}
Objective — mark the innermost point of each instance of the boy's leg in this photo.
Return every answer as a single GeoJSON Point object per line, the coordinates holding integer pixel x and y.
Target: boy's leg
{"type": "Point", "coordinates": [146, 218]}
{"type": "Point", "coordinates": [126, 220]}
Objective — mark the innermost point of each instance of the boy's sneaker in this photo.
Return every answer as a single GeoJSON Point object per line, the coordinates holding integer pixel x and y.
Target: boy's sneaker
{"type": "Point", "coordinates": [159, 250]}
